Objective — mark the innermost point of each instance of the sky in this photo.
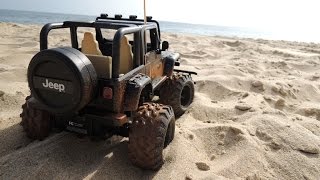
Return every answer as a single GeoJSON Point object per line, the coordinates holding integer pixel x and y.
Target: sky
{"type": "Point", "coordinates": [293, 15]}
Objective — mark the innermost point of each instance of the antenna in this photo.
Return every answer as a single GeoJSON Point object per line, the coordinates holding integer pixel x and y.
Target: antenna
{"type": "Point", "coordinates": [145, 12]}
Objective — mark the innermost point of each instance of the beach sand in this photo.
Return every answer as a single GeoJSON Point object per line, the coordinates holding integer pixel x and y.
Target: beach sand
{"type": "Point", "coordinates": [256, 115]}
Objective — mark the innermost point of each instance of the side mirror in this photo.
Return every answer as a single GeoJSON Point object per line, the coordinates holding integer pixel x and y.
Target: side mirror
{"type": "Point", "coordinates": [165, 45]}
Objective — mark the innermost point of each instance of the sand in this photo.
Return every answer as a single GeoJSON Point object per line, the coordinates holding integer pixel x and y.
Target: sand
{"type": "Point", "coordinates": [256, 115]}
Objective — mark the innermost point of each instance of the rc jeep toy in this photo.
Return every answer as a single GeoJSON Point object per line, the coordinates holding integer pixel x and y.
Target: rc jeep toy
{"type": "Point", "coordinates": [121, 85]}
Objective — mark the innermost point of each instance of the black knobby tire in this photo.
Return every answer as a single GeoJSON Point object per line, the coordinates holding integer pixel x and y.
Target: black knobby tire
{"type": "Point", "coordinates": [36, 123]}
{"type": "Point", "coordinates": [147, 135]}
{"type": "Point", "coordinates": [170, 132]}
{"type": "Point", "coordinates": [178, 92]}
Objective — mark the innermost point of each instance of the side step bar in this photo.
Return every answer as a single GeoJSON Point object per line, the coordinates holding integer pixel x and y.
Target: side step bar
{"type": "Point", "coordinates": [183, 71]}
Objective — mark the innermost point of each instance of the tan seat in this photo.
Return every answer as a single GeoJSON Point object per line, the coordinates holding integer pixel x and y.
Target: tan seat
{"type": "Point", "coordinates": [126, 56]}
{"type": "Point", "coordinates": [90, 45]}
{"type": "Point", "coordinates": [102, 64]}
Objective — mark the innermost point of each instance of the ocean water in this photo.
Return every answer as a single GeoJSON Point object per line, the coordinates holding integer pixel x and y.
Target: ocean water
{"type": "Point", "coordinates": [41, 18]}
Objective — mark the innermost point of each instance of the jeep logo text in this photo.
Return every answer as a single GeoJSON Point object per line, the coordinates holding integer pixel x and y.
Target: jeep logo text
{"type": "Point", "coordinates": [56, 86]}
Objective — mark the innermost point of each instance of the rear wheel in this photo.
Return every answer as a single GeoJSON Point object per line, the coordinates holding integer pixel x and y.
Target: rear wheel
{"type": "Point", "coordinates": [36, 123]}
{"type": "Point", "coordinates": [178, 92]}
{"type": "Point", "coordinates": [149, 134]}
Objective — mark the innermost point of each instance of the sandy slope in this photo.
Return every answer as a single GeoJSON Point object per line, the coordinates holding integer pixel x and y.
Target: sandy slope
{"type": "Point", "coordinates": [256, 115]}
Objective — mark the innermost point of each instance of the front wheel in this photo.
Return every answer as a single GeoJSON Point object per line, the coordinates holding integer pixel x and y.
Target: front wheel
{"type": "Point", "coordinates": [178, 92]}
{"type": "Point", "coordinates": [149, 134]}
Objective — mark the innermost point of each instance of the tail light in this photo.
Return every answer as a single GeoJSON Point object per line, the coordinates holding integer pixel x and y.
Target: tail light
{"type": "Point", "coordinates": [107, 93]}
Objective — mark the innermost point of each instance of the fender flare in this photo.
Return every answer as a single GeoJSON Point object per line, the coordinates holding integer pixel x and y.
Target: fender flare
{"type": "Point", "coordinates": [171, 59]}
{"type": "Point", "coordinates": [134, 88]}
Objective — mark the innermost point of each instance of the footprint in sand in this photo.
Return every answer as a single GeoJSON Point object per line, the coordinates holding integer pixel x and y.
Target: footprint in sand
{"type": "Point", "coordinates": [243, 107]}
{"type": "Point", "coordinates": [270, 142]}
{"type": "Point", "coordinates": [233, 44]}
{"type": "Point", "coordinates": [203, 166]}
{"type": "Point", "coordinates": [3, 70]}
{"type": "Point", "coordinates": [258, 85]}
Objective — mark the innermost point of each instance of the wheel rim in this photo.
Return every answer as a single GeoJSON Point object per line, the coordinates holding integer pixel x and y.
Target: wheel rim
{"type": "Point", "coordinates": [186, 96]}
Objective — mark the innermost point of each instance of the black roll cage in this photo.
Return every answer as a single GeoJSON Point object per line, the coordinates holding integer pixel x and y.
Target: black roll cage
{"type": "Point", "coordinates": [123, 27]}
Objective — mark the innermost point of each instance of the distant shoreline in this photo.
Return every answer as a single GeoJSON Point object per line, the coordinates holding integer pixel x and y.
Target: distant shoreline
{"type": "Point", "coordinates": [41, 18]}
